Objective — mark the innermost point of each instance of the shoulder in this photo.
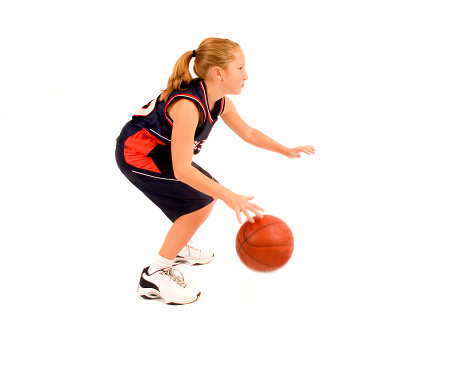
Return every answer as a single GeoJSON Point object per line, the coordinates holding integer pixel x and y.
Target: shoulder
{"type": "Point", "coordinates": [181, 107]}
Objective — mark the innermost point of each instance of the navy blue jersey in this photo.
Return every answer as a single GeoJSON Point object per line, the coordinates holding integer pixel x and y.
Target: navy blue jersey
{"type": "Point", "coordinates": [146, 139]}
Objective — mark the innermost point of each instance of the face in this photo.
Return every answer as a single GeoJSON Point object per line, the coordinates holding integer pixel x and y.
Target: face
{"type": "Point", "coordinates": [234, 75]}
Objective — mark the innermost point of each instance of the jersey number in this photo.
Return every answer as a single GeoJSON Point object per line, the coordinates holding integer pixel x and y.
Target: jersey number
{"type": "Point", "coordinates": [147, 109]}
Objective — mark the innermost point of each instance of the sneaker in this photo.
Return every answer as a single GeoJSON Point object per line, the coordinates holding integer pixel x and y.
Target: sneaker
{"type": "Point", "coordinates": [167, 285]}
{"type": "Point", "coordinates": [192, 256]}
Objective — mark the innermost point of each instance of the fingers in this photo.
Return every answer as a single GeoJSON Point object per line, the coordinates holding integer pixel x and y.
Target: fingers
{"type": "Point", "coordinates": [307, 149]}
{"type": "Point", "coordinates": [256, 210]}
{"type": "Point", "coordinates": [296, 152]}
{"type": "Point", "coordinates": [238, 216]}
{"type": "Point", "coordinates": [241, 204]}
{"type": "Point", "coordinates": [249, 207]}
{"type": "Point", "coordinates": [248, 216]}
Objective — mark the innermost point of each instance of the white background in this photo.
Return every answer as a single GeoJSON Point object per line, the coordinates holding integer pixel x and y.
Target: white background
{"type": "Point", "coordinates": [366, 295]}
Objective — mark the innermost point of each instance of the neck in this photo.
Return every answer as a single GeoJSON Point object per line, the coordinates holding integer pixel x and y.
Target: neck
{"type": "Point", "coordinates": [214, 93]}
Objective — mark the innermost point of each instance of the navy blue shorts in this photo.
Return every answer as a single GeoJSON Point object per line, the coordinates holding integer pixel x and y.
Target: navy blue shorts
{"type": "Point", "coordinates": [172, 196]}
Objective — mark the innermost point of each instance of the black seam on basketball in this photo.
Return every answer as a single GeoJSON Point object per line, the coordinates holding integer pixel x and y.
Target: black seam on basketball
{"type": "Point", "coordinates": [241, 247]}
{"type": "Point", "coordinates": [241, 243]}
{"type": "Point", "coordinates": [243, 259]}
{"type": "Point", "coordinates": [286, 245]}
{"type": "Point", "coordinates": [265, 226]}
{"type": "Point", "coordinates": [257, 260]}
{"type": "Point", "coordinates": [244, 237]}
{"type": "Point", "coordinates": [247, 252]}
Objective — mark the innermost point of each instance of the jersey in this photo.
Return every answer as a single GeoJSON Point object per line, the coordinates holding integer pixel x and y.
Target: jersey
{"type": "Point", "coordinates": [146, 139]}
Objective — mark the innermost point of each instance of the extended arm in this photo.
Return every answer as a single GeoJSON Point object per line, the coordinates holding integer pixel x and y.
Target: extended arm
{"type": "Point", "coordinates": [257, 138]}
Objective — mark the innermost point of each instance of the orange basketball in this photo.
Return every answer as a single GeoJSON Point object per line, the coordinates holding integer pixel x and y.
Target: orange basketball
{"type": "Point", "coordinates": [265, 245]}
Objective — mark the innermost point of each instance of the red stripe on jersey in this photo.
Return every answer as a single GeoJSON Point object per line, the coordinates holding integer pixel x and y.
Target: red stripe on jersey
{"type": "Point", "coordinates": [183, 96]}
{"type": "Point", "coordinates": [137, 147]}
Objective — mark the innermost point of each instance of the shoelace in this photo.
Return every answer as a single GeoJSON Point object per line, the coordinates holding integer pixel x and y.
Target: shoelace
{"type": "Point", "coordinates": [180, 280]}
{"type": "Point", "coordinates": [193, 252]}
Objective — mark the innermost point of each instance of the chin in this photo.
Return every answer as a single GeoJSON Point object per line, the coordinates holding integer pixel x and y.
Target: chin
{"type": "Point", "coordinates": [235, 92]}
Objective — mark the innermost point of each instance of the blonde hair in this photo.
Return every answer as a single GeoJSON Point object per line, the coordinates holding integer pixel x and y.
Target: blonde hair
{"type": "Point", "coordinates": [211, 52]}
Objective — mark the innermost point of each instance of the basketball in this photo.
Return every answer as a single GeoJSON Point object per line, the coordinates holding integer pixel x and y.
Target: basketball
{"type": "Point", "coordinates": [265, 245]}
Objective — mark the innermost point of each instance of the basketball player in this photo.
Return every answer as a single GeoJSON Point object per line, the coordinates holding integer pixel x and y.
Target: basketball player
{"type": "Point", "coordinates": [155, 152]}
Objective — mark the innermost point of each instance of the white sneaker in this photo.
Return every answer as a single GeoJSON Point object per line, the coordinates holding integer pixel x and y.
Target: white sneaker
{"type": "Point", "coordinates": [192, 256]}
{"type": "Point", "coordinates": [165, 284]}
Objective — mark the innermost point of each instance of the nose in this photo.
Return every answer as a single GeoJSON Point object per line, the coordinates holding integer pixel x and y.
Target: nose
{"type": "Point", "coordinates": [245, 75]}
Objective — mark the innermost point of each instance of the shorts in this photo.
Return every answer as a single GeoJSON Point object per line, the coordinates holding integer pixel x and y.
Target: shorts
{"type": "Point", "coordinates": [172, 196]}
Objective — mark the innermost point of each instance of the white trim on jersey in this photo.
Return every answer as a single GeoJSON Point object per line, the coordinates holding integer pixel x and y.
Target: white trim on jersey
{"type": "Point", "coordinates": [147, 109]}
{"type": "Point", "coordinates": [206, 101]}
{"type": "Point", "coordinates": [155, 132]}
{"type": "Point", "coordinates": [155, 177]}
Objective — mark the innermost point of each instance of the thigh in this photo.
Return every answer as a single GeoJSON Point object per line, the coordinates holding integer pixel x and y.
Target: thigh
{"type": "Point", "coordinates": [172, 196]}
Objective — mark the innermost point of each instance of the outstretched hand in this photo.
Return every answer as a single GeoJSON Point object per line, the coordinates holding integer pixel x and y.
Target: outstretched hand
{"type": "Point", "coordinates": [296, 152]}
{"type": "Point", "coordinates": [239, 203]}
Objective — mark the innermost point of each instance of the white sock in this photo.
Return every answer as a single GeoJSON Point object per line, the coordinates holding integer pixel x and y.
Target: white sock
{"type": "Point", "coordinates": [160, 263]}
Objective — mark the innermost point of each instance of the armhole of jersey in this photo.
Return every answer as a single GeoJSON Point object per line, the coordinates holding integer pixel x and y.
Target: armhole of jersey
{"type": "Point", "coordinates": [190, 97]}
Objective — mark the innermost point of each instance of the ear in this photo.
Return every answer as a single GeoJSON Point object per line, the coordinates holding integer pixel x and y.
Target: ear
{"type": "Point", "coordinates": [217, 73]}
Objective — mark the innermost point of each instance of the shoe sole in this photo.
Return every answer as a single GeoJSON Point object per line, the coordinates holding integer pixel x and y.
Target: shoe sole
{"type": "Point", "coordinates": [154, 294]}
{"type": "Point", "coordinates": [183, 261]}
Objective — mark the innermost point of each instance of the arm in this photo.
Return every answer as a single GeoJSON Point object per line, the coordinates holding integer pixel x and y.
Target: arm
{"type": "Point", "coordinates": [185, 116]}
{"type": "Point", "coordinates": [257, 138]}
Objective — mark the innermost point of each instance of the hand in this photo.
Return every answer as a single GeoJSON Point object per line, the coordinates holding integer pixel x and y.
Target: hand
{"type": "Point", "coordinates": [296, 152]}
{"type": "Point", "coordinates": [239, 203]}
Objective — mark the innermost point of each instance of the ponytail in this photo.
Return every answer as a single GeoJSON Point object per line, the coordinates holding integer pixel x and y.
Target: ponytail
{"type": "Point", "coordinates": [180, 76]}
{"type": "Point", "coordinates": [211, 52]}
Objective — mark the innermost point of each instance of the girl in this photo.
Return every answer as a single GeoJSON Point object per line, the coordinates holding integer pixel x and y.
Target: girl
{"type": "Point", "coordinates": [155, 151]}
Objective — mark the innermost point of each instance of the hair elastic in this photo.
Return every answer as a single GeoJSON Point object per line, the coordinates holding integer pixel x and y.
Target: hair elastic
{"type": "Point", "coordinates": [194, 53]}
